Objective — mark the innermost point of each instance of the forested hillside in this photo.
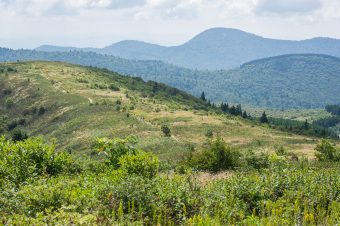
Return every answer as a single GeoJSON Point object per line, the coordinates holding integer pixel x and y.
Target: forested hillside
{"type": "Point", "coordinates": [290, 81]}
{"type": "Point", "coordinates": [214, 49]}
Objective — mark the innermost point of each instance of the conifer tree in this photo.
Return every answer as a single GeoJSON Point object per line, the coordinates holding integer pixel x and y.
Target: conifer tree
{"type": "Point", "coordinates": [306, 125]}
{"type": "Point", "coordinates": [232, 110]}
{"type": "Point", "coordinates": [244, 114]}
{"type": "Point", "coordinates": [238, 109]}
{"type": "Point", "coordinates": [263, 118]}
{"type": "Point", "coordinates": [203, 96]}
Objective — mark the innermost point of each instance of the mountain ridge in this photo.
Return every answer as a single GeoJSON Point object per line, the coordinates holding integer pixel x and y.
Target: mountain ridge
{"type": "Point", "coordinates": [213, 49]}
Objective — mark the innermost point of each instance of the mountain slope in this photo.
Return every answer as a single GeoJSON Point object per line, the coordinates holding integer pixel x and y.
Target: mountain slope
{"type": "Point", "coordinates": [77, 104]}
{"type": "Point", "coordinates": [216, 48]}
{"type": "Point", "coordinates": [289, 81]}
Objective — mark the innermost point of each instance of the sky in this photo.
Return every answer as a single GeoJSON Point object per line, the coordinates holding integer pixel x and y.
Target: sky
{"type": "Point", "coordinates": [99, 23]}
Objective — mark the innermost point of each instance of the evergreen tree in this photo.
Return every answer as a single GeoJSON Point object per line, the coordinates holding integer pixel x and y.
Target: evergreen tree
{"type": "Point", "coordinates": [155, 87]}
{"type": "Point", "coordinates": [224, 107]}
{"type": "Point", "coordinates": [244, 114]}
{"type": "Point", "coordinates": [203, 96]}
{"type": "Point", "coordinates": [263, 118]}
{"type": "Point", "coordinates": [238, 109]}
{"type": "Point", "coordinates": [306, 125]}
{"type": "Point", "coordinates": [232, 110]}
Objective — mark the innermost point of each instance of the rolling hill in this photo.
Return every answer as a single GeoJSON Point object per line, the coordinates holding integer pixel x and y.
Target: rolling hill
{"type": "Point", "coordinates": [214, 49]}
{"type": "Point", "coordinates": [76, 104]}
{"type": "Point", "coordinates": [288, 81]}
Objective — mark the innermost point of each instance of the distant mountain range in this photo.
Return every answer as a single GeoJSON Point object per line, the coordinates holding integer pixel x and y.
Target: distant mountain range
{"type": "Point", "coordinates": [288, 81]}
{"type": "Point", "coordinates": [213, 49]}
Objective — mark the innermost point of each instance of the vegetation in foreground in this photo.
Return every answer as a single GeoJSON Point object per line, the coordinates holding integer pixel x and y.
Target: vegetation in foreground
{"type": "Point", "coordinates": [128, 186]}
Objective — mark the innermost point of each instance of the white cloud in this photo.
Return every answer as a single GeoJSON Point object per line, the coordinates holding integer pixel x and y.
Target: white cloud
{"type": "Point", "coordinates": [287, 6]}
{"type": "Point", "coordinates": [64, 7]}
{"type": "Point", "coordinates": [28, 23]}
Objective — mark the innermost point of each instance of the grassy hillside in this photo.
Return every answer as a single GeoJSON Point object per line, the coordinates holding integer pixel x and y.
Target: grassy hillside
{"type": "Point", "coordinates": [76, 104]}
{"type": "Point", "coordinates": [256, 176]}
{"type": "Point", "coordinates": [284, 82]}
{"type": "Point", "coordinates": [214, 49]}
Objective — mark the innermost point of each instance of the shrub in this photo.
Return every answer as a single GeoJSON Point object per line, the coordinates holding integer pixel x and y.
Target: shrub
{"type": "Point", "coordinates": [26, 159]}
{"type": "Point", "coordinates": [325, 151]}
{"type": "Point", "coordinates": [209, 133]}
{"type": "Point", "coordinates": [166, 130]}
{"type": "Point", "coordinates": [217, 157]}
{"type": "Point", "coordinates": [115, 148]}
{"type": "Point", "coordinates": [255, 161]}
{"type": "Point", "coordinates": [113, 87]}
{"type": "Point", "coordinates": [141, 163]}
{"type": "Point", "coordinates": [41, 110]}
{"type": "Point", "coordinates": [7, 91]}
{"type": "Point", "coordinates": [18, 135]}
{"type": "Point", "coordinates": [12, 124]}
{"type": "Point", "coordinates": [9, 103]}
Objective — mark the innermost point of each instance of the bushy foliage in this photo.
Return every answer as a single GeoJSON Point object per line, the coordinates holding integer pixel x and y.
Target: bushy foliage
{"type": "Point", "coordinates": [18, 135]}
{"type": "Point", "coordinates": [121, 154]}
{"type": "Point", "coordinates": [216, 157]}
{"type": "Point", "coordinates": [284, 194]}
{"type": "Point", "coordinates": [256, 161]}
{"type": "Point", "coordinates": [23, 160]}
{"type": "Point", "coordinates": [115, 148]}
{"type": "Point", "coordinates": [141, 163]}
{"type": "Point", "coordinates": [325, 151]}
{"type": "Point", "coordinates": [166, 130]}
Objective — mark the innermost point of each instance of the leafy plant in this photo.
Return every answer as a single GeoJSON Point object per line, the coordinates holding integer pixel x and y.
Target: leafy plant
{"type": "Point", "coordinates": [216, 157]}
{"type": "Point", "coordinates": [325, 151]}
{"type": "Point", "coordinates": [115, 148]}
{"type": "Point", "coordinates": [22, 160]}
{"type": "Point", "coordinates": [140, 163]}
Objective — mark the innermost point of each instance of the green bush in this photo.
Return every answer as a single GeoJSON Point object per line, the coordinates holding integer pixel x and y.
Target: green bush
{"type": "Point", "coordinates": [216, 157]}
{"type": "Point", "coordinates": [166, 130]}
{"type": "Point", "coordinates": [256, 161]}
{"type": "Point", "coordinates": [141, 163]}
{"type": "Point", "coordinates": [209, 133]}
{"type": "Point", "coordinates": [22, 160]}
{"type": "Point", "coordinates": [9, 103]}
{"type": "Point", "coordinates": [325, 151]}
{"type": "Point", "coordinates": [113, 87]}
{"type": "Point", "coordinates": [113, 149]}
{"type": "Point", "coordinates": [41, 110]}
{"type": "Point", "coordinates": [18, 135]}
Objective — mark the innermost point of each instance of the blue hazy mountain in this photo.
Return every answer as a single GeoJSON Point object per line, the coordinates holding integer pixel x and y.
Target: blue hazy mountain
{"type": "Point", "coordinates": [216, 48]}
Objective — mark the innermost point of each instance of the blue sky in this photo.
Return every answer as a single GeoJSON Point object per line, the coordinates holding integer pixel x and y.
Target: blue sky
{"type": "Point", "coordinates": [98, 23]}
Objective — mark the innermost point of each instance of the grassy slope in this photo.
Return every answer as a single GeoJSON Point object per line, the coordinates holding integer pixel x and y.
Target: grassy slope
{"type": "Point", "coordinates": [74, 118]}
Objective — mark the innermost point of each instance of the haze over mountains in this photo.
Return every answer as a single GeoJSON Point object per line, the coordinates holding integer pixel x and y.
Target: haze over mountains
{"type": "Point", "coordinates": [213, 49]}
